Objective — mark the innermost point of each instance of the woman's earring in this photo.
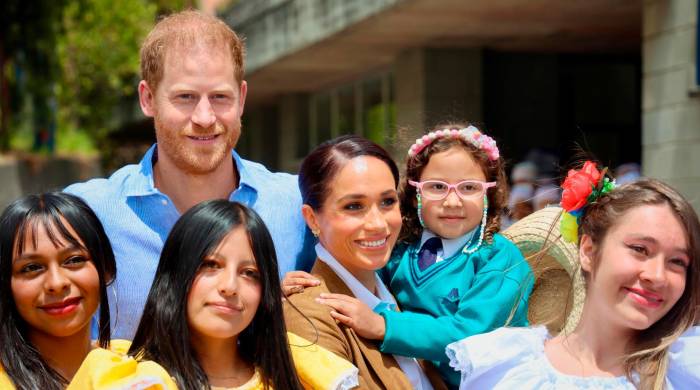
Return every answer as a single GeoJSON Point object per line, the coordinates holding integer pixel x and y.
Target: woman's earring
{"type": "Point", "coordinates": [315, 233]}
{"type": "Point", "coordinates": [418, 210]}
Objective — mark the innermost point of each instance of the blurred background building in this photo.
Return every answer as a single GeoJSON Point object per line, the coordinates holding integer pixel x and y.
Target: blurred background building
{"type": "Point", "coordinates": [616, 78]}
{"type": "Point", "coordinates": [545, 77]}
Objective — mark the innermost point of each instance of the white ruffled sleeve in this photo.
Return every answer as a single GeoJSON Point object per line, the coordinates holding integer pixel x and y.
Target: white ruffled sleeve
{"type": "Point", "coordinates": [684, 361]}
{"type": "Point", "coordinates": [484, 358]}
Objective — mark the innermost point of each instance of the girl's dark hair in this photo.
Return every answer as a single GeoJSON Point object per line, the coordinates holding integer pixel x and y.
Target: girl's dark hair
{"type": "Point", "coordinates": [493, 171]}
{"type": "Point", "coordinates": [323, 163]}
{"type": "Point", "coordinates": [163, 334]}
{"type": "Point", "coordinates": [55, 211]}
{"type": "Point", "coordinates": [648, 358]}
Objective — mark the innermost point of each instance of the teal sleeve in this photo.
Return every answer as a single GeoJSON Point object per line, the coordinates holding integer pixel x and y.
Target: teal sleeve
{"type": "Point", "coordinates": [502, 281]}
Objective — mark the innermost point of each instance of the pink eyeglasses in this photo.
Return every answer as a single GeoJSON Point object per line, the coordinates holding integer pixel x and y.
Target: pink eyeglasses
{"type": "Point", "coordinates": [437, 190]}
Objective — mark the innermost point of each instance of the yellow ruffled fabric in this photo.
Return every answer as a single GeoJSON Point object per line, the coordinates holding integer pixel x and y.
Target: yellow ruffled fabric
{"type": "Point", "coordinates": [319, 368]}
{"type": "Point", "coordinates": [5, 382]}
{"type": "Point", "coordinates": [112, 369]}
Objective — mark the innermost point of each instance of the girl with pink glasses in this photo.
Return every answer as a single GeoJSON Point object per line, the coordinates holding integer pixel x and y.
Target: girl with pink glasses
{"type": "Point", "coordinates": [452, 274]}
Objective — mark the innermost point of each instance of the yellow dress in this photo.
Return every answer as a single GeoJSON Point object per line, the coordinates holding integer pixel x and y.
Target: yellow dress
{"type": "Point", "coordinates": [5, 382]}
{"type": "Point", "coordinates": [105, 369]}
{"type": "Point", "coordinates": [255, 383]}
{"type": "Point", "coordinates": [318, 369]}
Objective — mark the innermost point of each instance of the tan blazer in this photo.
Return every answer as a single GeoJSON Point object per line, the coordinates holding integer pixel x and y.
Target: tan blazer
{"type": "Point", "coordinates": [377, 370]}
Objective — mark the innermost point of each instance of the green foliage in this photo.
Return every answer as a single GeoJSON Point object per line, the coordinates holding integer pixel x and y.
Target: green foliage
{"type": "Point", "coordinates": [376, 127]}
{"type": "Point", "coordinates": [99, 60]}
{"type": "Point", "coordinates": [74, 141]}
{"type": "Point", "coordinates": [71, 68]}
{"type": "Point", "coordinates": [168, 6]}
{"type": "Point", "coordinates": [28, 63]}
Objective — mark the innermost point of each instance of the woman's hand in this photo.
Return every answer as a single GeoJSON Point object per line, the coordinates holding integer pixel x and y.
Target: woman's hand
{"type": "Point", "coordinates": [295, 281]}
{"type": "Point", "coordinates": [355, 314]}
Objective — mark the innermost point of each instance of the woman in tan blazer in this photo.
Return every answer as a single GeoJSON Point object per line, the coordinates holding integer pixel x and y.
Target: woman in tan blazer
{"type": "Point", "coordinates": [348, 186]}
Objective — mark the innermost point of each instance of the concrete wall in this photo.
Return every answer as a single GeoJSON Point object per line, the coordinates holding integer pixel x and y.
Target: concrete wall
{"type": "Point", "coordinates": [294, 128]}
{"type": "Point", "coordinates": [32, 174]}
{"type": "Point", "coordinates": [670, 103]}
{"type": "Point", "coordinates": [434, 86]}
{"type": "Point", "coordinates": [275, 28]}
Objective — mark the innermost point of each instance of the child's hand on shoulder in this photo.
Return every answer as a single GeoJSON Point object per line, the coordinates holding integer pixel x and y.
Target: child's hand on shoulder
{"type": "Point", "coordinates": [355, 314]}
{"type": "Point", "coordinates": [295, 282]}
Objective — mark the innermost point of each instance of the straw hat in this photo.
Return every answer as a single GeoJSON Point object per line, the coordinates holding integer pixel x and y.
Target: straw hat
{"type": "Point", "coordinates": [558, 294]}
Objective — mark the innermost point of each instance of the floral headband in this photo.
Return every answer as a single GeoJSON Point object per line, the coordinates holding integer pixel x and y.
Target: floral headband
{"type": "Point", "coordinates": [581, 188]}
{"type": "Point", "coordinates": [470, 134]}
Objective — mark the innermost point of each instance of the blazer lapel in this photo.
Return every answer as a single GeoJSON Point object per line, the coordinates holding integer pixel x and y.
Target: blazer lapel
{"type": "Point", "coordinates": [384, 365]}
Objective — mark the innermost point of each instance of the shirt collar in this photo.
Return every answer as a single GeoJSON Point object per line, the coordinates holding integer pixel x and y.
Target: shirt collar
{"type": "Point", "coordinates": [358, 289]}
{"type": "Point", "coordinates": [142, 183]}
{"type": "Point", "coordinates": [450, 246]}
{"type": "Point", "coordinates": [245, 177]}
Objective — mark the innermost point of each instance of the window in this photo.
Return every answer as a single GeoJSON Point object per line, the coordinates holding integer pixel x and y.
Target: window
{"type": "Point", "coordinates": [365, 107]}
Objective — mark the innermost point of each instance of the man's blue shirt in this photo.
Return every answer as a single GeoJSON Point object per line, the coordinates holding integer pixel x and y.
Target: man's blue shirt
{"type": "Point", "coordinates": [138, 217]}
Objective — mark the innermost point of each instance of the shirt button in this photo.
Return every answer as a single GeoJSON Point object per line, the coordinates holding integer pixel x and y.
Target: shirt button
{"type": "Point", "coordinates": [164, 202]}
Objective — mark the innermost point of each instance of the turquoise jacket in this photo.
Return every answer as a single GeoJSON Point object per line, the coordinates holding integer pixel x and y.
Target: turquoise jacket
{"type": "Point", "coordinates": [455, 298]}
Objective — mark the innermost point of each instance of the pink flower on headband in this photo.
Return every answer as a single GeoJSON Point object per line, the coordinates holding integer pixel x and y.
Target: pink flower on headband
{"type": "Point", "coordinates": [489, 146]}
{"type": "Point", "coordinates": [470, 134]}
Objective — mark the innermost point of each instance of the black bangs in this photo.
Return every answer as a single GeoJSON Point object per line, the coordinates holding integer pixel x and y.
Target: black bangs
{"type": "Point", "coordinates": [54, 224]}
{"type": "Point", "coordinates": [68, 222]}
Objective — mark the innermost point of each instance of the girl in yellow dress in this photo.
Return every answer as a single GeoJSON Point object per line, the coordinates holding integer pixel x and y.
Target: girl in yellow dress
{"type": "Point", "coordinates": [55, 265]}
{"type": "Point", "coordinates": [213, 317]}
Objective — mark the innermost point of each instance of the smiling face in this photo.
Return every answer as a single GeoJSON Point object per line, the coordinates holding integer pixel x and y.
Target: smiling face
{"type": "Point", "coordinates": [359, 220]}
{"type": "Point", "coordinates": [452, 216]}
{"type": "Point", "coordinates": [639, 271]}
{"type": "Point", "coordinates": [226, 291]}
{"type": "Point", "coordinates": [197, 108]}
{"type": "Point", "coordinates": [56, 289]}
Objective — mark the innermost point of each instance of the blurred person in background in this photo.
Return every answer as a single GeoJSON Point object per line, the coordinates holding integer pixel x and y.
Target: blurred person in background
{"type": "Point", "coordinates": [627, 173]}
{"type": "Point", "coordinates": [520, 205]}
{"type": "Point", "coordinates": [546, 195]}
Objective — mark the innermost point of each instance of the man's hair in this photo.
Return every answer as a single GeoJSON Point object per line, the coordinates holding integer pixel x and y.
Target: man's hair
{"type": "Point", "coordinates": [185, 30]}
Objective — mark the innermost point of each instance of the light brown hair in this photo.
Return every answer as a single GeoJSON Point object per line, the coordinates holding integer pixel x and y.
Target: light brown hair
{"type": "Point", "coordinates": [648, 357]}
{"type": "Point", "coordinates": [493, 171]}
{"type": "Point", "coordinates": [184, 30]}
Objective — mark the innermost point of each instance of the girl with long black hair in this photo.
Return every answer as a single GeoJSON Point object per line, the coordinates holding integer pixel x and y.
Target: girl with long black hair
{"type": "Point", "coordinates": [213, 317]}
{"type": "Point", "coordinates": [55, 265]}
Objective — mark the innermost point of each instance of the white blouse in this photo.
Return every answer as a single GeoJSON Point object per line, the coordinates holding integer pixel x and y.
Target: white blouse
{"type": "Point", "coordinates": [514, 358]}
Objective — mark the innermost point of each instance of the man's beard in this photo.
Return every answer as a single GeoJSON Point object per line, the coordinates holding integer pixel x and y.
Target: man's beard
{"type": "Point", "coordinates": [191, 158]}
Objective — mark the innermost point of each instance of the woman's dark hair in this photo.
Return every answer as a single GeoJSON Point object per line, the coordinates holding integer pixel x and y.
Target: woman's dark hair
{"type": "Point", "coordinates": [323, 163]}
{"type": "Point", "coordinates": [493, 171]}
{"type": "Point", "coordinates": [163, 335]}
{"type": "Point", "coordinates": [55, 211]}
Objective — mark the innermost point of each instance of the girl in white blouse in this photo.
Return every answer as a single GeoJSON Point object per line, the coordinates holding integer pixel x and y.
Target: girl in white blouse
{"type": "Point", "coordinates": [639, 253]}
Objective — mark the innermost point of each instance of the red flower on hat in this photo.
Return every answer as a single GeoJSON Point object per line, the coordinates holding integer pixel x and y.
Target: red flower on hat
{"type": "Point", "coordinates": [578, 185]}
